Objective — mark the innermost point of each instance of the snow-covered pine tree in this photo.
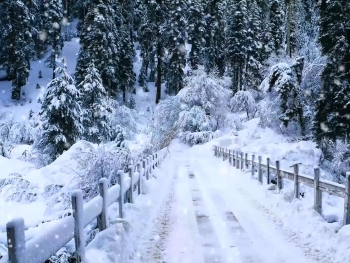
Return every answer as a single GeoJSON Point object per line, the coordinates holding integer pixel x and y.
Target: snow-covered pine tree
{"type": "Point", "coordinates": [67, 6]}
{"type": "Point", "coordinates": [332, 119]}
{"type": "Point", "coordinates": [256, 45]}
{"type": "Point", "coordinates": [99, 44]}
{"type": "Point", "coordinates": [276, 16]}
{"type": "Point", "coordinates": [237, 42]}
{"type": "Point", "coordinates": [93, 102]}
{"type": "Point", "coordinates": [160, 20]}
{"type": "Point", "coordinates": [146, 37]}
{"type": "Point", "coordinates": [215, 36]}
{"type": "Point", "coordinates": [138, 13]}
{"type": "Point", "coordinates": [63, 116]}
{"type": "Point", "coordinates": [53, 26]}
{"type": "Point", "coordinates": [18, 41]}
{"type": "Point", "coordinates": [34, 9]}
{"type": "Point", "coordinates": [196, 28]}
{"type": "Point", "coordinates": [175, 43]}
{"type": "Point", "coordinates": [284, 89]}
{"type": "Point", "coordinates": [126, 54]}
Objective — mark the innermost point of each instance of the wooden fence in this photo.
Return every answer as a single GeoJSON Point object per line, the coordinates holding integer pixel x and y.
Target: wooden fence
{"type": "Point", "coordinates": [240, 160]}
{"type": "Point", "coordinates": [44, 245]}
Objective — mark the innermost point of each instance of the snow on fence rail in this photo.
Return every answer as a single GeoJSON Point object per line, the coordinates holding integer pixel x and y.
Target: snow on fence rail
{"type": "Point", "coordinates": [42, 247]}
{"type": "Point", "coordinates": [239, 160]}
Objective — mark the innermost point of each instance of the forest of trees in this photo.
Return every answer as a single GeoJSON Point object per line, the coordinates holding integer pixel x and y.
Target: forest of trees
{"type": "Point", "coordinates": [286, 61]}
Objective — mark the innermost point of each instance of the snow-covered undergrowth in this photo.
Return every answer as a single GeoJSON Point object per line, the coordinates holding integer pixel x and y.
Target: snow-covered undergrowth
{"type": "Point", "coordinates": [264, 142]}
{"type": "Point", "coordinates": [119, 242]}
{"type": "Point", "coordinates": [47, 191]}
{"type": "Point", "coordinates": [320, 236]}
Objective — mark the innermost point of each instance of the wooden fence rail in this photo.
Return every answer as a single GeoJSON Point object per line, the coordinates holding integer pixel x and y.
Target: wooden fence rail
{"type": "Point", "coordinates": [43, 246]}
{"type": "Point", "coordinates": [236, 159]}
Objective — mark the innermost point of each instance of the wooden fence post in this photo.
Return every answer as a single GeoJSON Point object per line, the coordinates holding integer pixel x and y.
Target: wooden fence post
{"type": "Point", "coordinates": [296, 181]}
{"type": "Point", "coordinates": [246, 160]}
{"type": "Point", "coordinates": [147, 168]}
{"type": "Point", "coordinates": [242, 161]}
{"type": "Point", "coordinates": [131, 189]}
{"type": "Point", "coordinates": [150, 165]}
{"type": "Point", "coordinates": [102, 219]}
{"type": "Point", "coordinates": [229, 157]}
{"type": "Point", "coordinates": [121, 195]}
{"type": "Point", "coordinates": [215, 152]}
{"type": "Point", "coordinates": [237, 160]}
{"type": "Point", "coordinates": [233, 159]}
{"type": "Point", "coordinates": [144, 167]}
{"type": "Point", "coordinates": [260, 171]}
{"type": "Point", "coordinates": [317, 191]}
{"type": "Point", "coordinates": [223, 155]}
{"type": "Point", "coordinates": [253, 167]}
{"type": "Point", "coordinates": [16, 240]}
{"type": "Point", "coordinates": [346, 220]}
{"type": "Point", "coordinates": [268, 171]}
{"type": "Point", "coordinates": [278, 176]}
{"type": "Point", "coordinates": [139, 181]}
{"type": "Point", "coordinates": [77, 205]}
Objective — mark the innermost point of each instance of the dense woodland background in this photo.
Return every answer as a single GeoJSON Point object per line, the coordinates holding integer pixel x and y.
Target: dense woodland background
{"type": "Point", "coordinates": [220, 62]}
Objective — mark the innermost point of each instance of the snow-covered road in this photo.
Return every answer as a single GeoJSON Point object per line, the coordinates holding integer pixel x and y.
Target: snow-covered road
{"type": "Point", "coordinates": [211, 218]}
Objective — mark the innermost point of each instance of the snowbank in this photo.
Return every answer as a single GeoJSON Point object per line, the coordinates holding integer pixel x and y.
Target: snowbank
{"type": "Point", "coordinates": [119, 242]}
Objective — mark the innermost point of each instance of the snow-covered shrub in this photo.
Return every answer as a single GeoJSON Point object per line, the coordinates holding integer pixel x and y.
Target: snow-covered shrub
{"type": "Point", "coordinates": [233, 122]}
{"type": "Point", "coordinates": [121, 117]}
{"type": "Point", "coordinates": [14, 132]}
{"type": "Point", "coordinates": [193, 138]}
{"type": "Point", "coordinates": [164, 127]}
{"type": "Point", "coordinates": [208, 92]}
{"type": "Point", "coordinates": [201, 106]}
{"type": "Point", "coordinates": [243, 101]}
{"type": "Point", "coordinates": [62, 256]}
{"type": "Point", "coordinates": [340, 163]}
{"type": "Point", "coordinates": [99, 162]}
{"type": "Point", "coordinates": [194, 120]}
{"type": "Point", "coordinates": [18, 189]}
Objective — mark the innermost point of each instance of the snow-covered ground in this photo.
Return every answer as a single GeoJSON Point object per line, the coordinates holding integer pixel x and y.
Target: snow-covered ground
{"type": "Point", "coordinates": [221, 214]}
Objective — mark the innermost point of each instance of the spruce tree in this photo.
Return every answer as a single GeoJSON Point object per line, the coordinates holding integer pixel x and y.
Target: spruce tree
{"type": "Point", "coordinates": [237, 44]}
{"type": "Point", "coordinates": [147, 35]}
{"type": "Point", "coordinates": [332, 119]}
{"type": "Point", "coordinates": [126, 52]}
{"type": "Point", "coordinates": [276, 16]}
{"type": "Point", "coordinates": [63, 115]}
{"type": "Point", "coordinates": [196, 28]}
{"type": "Point", "coordinates": [18, 43]}
{"type": "Point", "coordinates": [256, 45]}
{"type": "Point", "coordinates": [99, 44]}
{"type": "Point", "coordinates": [93, 101]}
{"type": "Point", "coordinates": [175, 43]}
{"type": "Point", "coordinates": [53, 26]}
{"type": "Point", "coordinates": [215, 36]}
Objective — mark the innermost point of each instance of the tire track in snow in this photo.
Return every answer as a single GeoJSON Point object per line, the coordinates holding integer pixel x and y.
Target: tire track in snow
{"type": "Point", "coordinates": [270, 245]}
{"type": "Point", "coordinates": [153, 247]}
{"type": "Point", "coordinates": [210, 242]}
